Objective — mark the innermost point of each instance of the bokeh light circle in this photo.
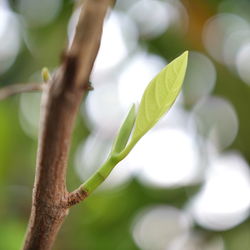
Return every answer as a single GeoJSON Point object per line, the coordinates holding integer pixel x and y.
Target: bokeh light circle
{"type": "Point", "coordinates": [200, 77]}
{"type": "Point", "coordinates": [155, 227]}
{"type": "Point", "coordinates": [39, 13]}
{"type": "Point", "coordinates": [216, 119]}
{"type": "Point", "coordinates": [136, 75]}
{"type": "Point", "coordinates": [243, 62]}
{"type": "Point", "coordinates": [9, 37]}
{"type": "Point", "coordinates": [197, 241]}
{"type": "Point", "coordinates": [104, 110]}
{"type": "Point", "coordinates": [165, 157]}
{"type": "Point", "coordinates": [224, 200]}
{"type": "Point", "coordinates": [217, 30]}
{"type": "Point", "coordinates": [119, 38]}
{"type": "Point", "coordinates": [157, 16]}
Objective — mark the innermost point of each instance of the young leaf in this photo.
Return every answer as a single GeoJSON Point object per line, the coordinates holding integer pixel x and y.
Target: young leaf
{"type": "Point", "coordinates": [158, 98]}
{"type": "Point", "coordinates": [124, 132]}
{"type": "Point", "coordinates": [160, 95]}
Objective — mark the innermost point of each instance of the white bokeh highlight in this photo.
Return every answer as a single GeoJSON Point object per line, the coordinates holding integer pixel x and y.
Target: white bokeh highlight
{"type": "Point", "coordinates": [217, 30]}
{"type": "Point", "coordinates": [157, 16]}
{"type": "Point", "coordinates": [196, 241]}
{"type": "Point", "coordinates": [29, 113]}
{"type": "Point", "coordinates": [39, 13]}
{"type": "Point", "coordinates": [165, 157]}
{"type": "Point", "coordinates": [9, 37]}
{"type": "Point", "coordinates": [216, 120]}
{"type": "Point", "coordinates": [104, 110]}
{"type": "Point", "coordinates": [119, 38]}
{"type": "Point", "coordinates": [243, 62]}
{"type": "Point", "coordinates": [155, 227]}
{"type": "Point", "coordinates": [136, 75]}
{"type": "Point", "coordinates": [232, 47]}
{"type": "Point", "coordinates": [224, 200]}
{"type": "Point", "coordinates": [200, 77]}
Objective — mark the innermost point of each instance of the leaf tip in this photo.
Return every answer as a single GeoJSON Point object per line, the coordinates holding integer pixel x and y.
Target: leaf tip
{"type": "Point", "coordinates": [184, 58]}
{"type": "Point", "coordinates": [133, 107]}
{"type": "Point", "coordinates": [185, 55]}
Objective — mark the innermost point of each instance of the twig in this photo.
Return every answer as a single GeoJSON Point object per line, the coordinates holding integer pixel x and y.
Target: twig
{"type": "Point", "coordinates": [60, 102]}
{"type": "Point", "coordinates": [19, 88]}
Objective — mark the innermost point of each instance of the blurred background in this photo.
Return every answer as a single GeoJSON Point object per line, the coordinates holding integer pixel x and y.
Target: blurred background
{"type": "Point", "coordinates": [186, 185]}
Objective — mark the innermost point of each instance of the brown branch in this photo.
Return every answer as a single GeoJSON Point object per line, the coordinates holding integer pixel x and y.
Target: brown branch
{"type": "Point", "coordinates": [60, 103]}
{"type": "Point", "coordinates": [19, 88]}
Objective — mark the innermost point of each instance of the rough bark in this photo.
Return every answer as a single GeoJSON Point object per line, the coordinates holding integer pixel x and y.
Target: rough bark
{"type": "Point", "coordinates": [60, 103]}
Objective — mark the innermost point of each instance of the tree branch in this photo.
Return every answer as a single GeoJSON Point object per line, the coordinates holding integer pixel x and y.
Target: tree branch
{"type": "Point", "coordinates": [60, 103]}
{"type": "Point", "coordinates": [19, 88]}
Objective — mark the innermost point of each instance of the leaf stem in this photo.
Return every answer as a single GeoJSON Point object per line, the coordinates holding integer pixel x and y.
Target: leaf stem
{"type": "Point", "coordinates": [104, 171]}
{"type": "Point", "coordinates": [100, 175]}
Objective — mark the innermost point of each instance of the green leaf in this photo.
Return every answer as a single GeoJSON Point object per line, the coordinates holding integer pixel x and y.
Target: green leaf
{"type": "Point", "coordinates": [160, 95]}
{"type": "Point", "coordinates": [157, 99]}
{"type": "Point", "coordinates": [124, 132]}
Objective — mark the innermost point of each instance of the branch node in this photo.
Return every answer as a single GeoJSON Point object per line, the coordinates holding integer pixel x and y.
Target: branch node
{"type": "Point", "coordinates": [75, 197]}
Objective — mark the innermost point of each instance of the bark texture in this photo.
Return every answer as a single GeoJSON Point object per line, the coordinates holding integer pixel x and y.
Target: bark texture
{"type": "Point", "coordinates": [60, 103]}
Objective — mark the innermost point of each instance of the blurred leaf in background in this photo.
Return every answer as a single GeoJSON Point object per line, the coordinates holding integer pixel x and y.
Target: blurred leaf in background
{"type": "Point", "coordinates": [186, 185]}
